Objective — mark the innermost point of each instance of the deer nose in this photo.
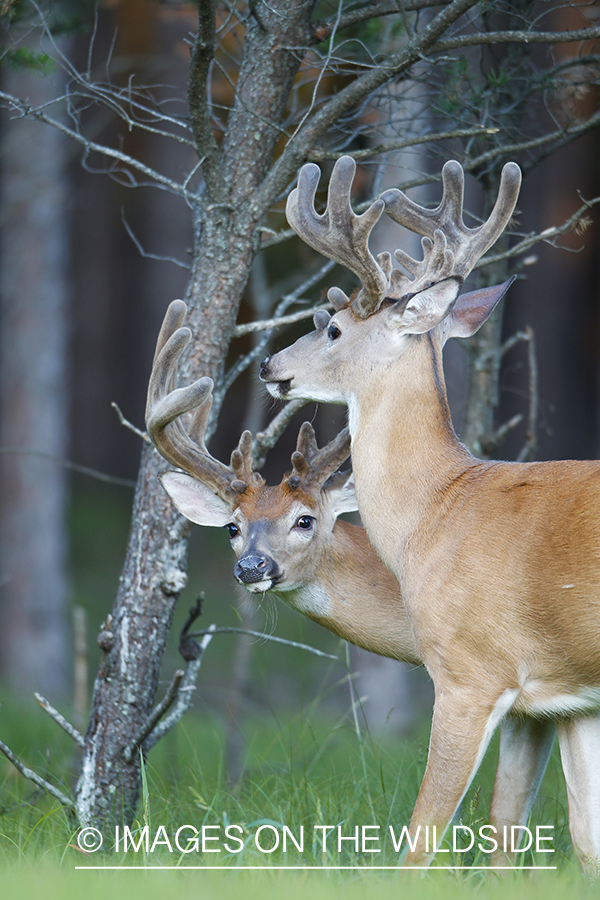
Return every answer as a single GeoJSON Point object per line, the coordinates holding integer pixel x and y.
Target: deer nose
{"type": "Point", "coordinates": [264, 366]}
{"type": "Point", "coordinates": [250, 569]}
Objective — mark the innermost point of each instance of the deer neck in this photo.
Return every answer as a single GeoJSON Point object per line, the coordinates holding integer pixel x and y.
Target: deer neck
{"type": "Point", "coordinates": [404, 449]}
{"type": "Point", "coordinates": [356, 597]}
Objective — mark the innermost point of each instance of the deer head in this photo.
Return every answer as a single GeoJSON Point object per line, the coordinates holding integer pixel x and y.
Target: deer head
{"type": "Point", "coordinates": [370, 331]}
{"type": "Point", "coordinates": [277, 533]}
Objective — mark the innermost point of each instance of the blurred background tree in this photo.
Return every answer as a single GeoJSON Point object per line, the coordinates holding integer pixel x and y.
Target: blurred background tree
{"type": "Point", "coordinates": [198, 119]}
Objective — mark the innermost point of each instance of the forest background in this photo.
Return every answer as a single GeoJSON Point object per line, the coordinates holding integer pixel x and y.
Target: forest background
{"type": "Point", "coordinates": [93, 247]}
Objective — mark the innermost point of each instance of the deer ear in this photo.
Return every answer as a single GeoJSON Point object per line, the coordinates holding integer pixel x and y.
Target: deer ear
{"type": "Point", "coordinates": [427, 308]}
{"type": "Point", "coordinates": [341, 493]}
{"type": "Point", "coordinates": [195, 500]}
{"type": "Point", "coordinates": [321, 319]}
{"type": "Point", "coordinates": [471, 310]}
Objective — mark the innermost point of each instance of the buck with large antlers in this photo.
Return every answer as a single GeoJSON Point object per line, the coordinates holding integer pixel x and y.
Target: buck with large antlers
{"type": "Point", "coordinates": [288, 539]}
{"type": "Point", "coordinates": [499, 563]}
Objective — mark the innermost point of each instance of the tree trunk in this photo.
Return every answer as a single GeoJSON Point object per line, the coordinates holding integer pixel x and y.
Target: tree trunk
{"type": "Point", "coordinates": [484, 376]}
{"type": "Point", "coordinates": [484, 372]}
{"type": "Point", "coordinates": [226, 240]}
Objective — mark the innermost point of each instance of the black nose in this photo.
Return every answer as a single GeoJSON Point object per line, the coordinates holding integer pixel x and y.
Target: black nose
{"type": "Point", "coordinates": [264, 366]}
{"type": "Point", "coordinates": [250, 569]}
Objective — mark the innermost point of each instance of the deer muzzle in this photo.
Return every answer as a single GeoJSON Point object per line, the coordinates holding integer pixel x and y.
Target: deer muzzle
{"type": "Point", "coordinates": [258, 573]}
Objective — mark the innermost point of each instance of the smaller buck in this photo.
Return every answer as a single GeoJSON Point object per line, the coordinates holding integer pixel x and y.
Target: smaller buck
{"type": "Point", "coordinates": [288, 539]}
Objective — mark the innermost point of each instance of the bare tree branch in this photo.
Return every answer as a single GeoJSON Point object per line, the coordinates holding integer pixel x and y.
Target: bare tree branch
{"type": "Point", "coordinates": [74, 467]}
{"type": "Point", "coordinates": [529, 448]}
{"type": "Point", "coordinates": [157, 714]}
{"type": "Point", "coordinates": [37, 779]}
{"type": "Point", "coordinates": [516, 37]}
{"type": "Point", "coordinates": [403, 143]}
{"type": "Point", "coordinates": [266, 440]}
{"type": "Point", "coordinates": [266, 637]}
{"type": "Point", "coordinates": [553, 141]}
{"type": "Point", "coordinates": [348, 97]}
{"type": "Point", "coordinates": [490, 444]}
{"type": "Point", "coordinates": [203, 53]}
{"type": "Point", "coordinates": [278, 322]}
{"type": "Point", "coordinates": [129, 425]}
{"type": "Point", "coordinates": [144, 253]}
{"type": "Point", "coordinates": [60, 720]}
{"type": "Point", "coordinates": [548, 235]}
{"type": "Point", "coordinates": [193, 653]}
{"type": "Point", "coordinates": [23, 108]}
{"type": "Point", "coordinates": [324, 28]}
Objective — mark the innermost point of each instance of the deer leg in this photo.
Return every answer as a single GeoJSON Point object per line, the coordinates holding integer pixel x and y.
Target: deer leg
{"type": "Point", "coordinates": [579, 740]}
{"type": "Point", "coordinates": [525, 747]}
{"type": "Point", "coordinates": [460, 733]}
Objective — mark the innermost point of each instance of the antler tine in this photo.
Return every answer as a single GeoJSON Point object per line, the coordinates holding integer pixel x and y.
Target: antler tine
{"type": "Point", "coordinates": [242, 461]}
{"type": "Point", "coordinates": [198, 423]}
{"type": "Point", "coordinates": [306, 442]}
{"type": "Point", "coordinates": [312, 466]}
{"type": "Point", "coordinates": [450, 248]}
{"type": "Point", "coordinates": [165, 404]}
{"type": "Point", "coordinates": [339, 233]}
{"type": "Point", "coordinates": [174, 319]}
{"type": "Point", "coordinates": [333, 455]}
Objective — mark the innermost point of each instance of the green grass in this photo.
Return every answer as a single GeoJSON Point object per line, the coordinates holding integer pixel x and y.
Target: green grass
{"type": "Point", "coordinates": [299, 772]}
{"type": "Point", "coordinates": [49, 883]}
{"type": "Point", "coordinates": [304, 765]}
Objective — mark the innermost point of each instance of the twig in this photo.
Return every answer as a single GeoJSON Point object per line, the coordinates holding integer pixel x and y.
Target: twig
{"type": "Point", "coordinates": [74, 467]}
{"type": "Point", "coordinates": [492, 443]}
{"type": "Point", "coordinates": [154, 716]}
{"type": "Point", "coordinates": [265, 324]}
{"type": "Point", "coordinates": [203, 52]}
{"type": "Point", "coordinates": [547, 236]}
{"type": "Point", "coordinates": [402, 144]}
{"type": "Point", "coordinates": [37, 779]}
{"type": "Point", "coordinates": [266, 637]}
{"type": "Point", "coordinates": [145, 253]}
{"type": "Point", "coordinates": [516, 37]}
{"type": "Point", "coordinates": [60, 720]}
{"type": "Point", "coordinates": [323, 29]}
{"type": "Point", "coordinates": [511, 342]}
{"type": "Point", "coordinates": [160, 180]}
{"type": "Point", "coordinates": [127, 424]}
{"type": "Point", "coordinates": [193, 653]}
{"type": "Point", "coordinates": [354, 93]}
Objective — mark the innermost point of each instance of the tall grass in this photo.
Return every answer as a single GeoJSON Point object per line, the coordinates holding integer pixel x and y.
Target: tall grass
{"type": "Point", "coordinates": [299, 773]}
{"type": "Point", "coordinates": [311, 768]}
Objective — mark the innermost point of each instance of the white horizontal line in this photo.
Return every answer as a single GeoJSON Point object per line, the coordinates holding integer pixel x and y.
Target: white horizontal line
{"type": "Point", "coordinates": [319, 868]}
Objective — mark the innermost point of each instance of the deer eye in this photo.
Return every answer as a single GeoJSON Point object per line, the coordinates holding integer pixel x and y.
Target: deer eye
{"type": "Point", "coordinates": [333, 332]}
{"type": "Point", "coordinates": [305, 522]}
{"type": "Point", "coordinates": [233, 530]}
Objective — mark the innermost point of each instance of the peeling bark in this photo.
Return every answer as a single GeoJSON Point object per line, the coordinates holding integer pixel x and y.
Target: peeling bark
{"type": "Point", "coordinates": [154, 572]}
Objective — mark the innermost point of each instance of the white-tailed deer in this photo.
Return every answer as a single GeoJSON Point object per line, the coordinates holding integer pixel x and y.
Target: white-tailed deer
{"type": "Point", "coordinates": [288, 539]}
{"type": "Point", "coordinates": [499, 563]}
